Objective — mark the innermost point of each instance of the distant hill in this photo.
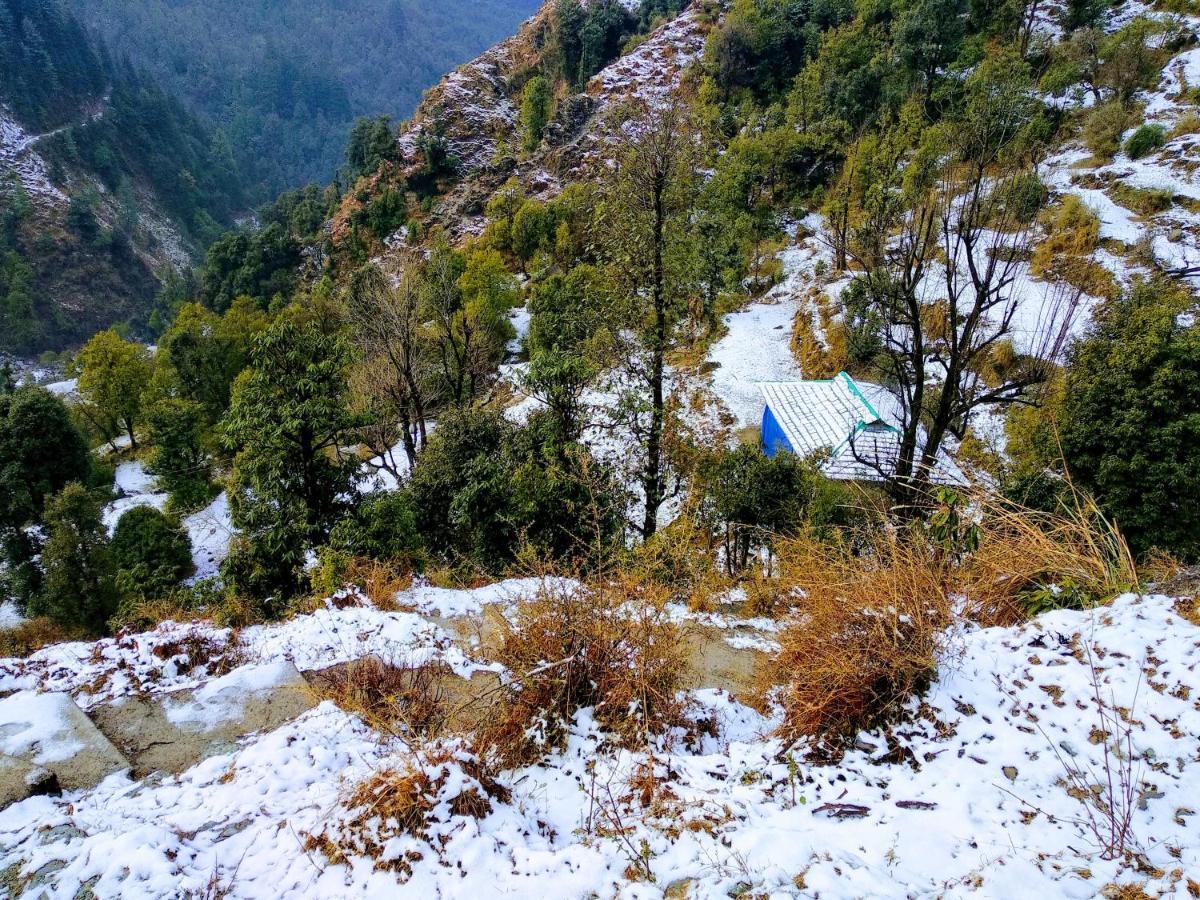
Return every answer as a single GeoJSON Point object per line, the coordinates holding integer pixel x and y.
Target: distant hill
{"type": "Point", "coordinates": [108, 184]}
{"type": "Point", "coordinates": [284, 79]}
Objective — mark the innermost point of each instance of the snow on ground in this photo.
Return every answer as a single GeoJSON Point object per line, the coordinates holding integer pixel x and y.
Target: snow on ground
{"type": "Point", "coordinates": [175, 655]}
{"type": "Point", "coordinates": [967, 799]}
{"type": "Point", "coordinates": [449, 603]}
{"type": "Point", "coordinates": [757, 343]}
{"type": "Point", "coordinates": [135, 487]}
{"type": "Point", "coordinates": [210, 530]}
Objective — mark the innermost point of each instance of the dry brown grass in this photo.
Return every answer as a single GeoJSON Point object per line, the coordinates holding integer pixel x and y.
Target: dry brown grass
{"type": "Point", "coordinates": [608, 646]}
{"type": "Point", "coordinates": [1023, 552]}
{"type": "Point", "coordinates": [870, 631]}
{"type": "Point", "coordinates": [30, 636]}
{"type": "Point", "coordinates": [679, 558]}
{"type": "Point", "coordinates": [392, 697]}
{"type": "Point", "coordinates": [378, 581]}
{"type": "Point", "coordinates": [402, 800]}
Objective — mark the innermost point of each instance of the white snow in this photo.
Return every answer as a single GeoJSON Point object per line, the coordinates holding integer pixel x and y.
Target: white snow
{"type": "Point", "coordinates": [210, 530]}
{"type": "Point", "coordinates": [967, 799]}
{"type": "Point", "coordinates": [757, 343]}
{"type": "Point", "coordinates": [39, 723]}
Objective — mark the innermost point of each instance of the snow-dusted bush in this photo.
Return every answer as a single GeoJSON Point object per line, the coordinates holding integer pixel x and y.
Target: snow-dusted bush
{"type": "Point", "coordinates": [609, 646]}
{"type": "Point", "coordinates": [871, 630]}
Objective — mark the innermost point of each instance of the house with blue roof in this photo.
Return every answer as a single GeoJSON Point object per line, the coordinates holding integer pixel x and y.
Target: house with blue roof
{"type": "Point", "coordinates": [857, 424]}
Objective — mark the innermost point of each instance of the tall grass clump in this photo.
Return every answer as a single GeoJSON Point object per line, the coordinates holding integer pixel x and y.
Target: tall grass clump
{"type": "Point", "coordinates": [869, 634]}
{"type": "Point", "coordinates": [1029, 561]}
{"type": "Point", "coordinates": [608, 646]}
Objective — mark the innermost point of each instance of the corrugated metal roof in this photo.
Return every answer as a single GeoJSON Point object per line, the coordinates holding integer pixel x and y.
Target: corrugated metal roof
{"type": "Point", "coordinates": [856, 423]}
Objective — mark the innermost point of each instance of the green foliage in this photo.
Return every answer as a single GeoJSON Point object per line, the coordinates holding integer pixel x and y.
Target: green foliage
{"type": "Point", "coordinates": [79, 589]}
{"type": "Point", "coordinates": [756, 498]}
{"type": "Point", "coordinates": [177, 456]}
{"type": "Point", "coordinates": [384, 528]}
{"type": "Point", "coordinates": [1131, 417]}
{"type": "Point", "coordinates": [113, 374]}
{"type": "Point", "coordinates": [41, 451]}
{"type": "Point", "coordinates": [1145, 140]}
{"type": "Point", "coordinates": [286, 99]}
{"type": "Point", "coordinates": [1103, 126]}
{"type": "Point", "coordinates": [151, 553]}
{"type": "Point", "coordinates": [287, 423]}
{"type": "Point", "coordinates": [485, 488]}
{"type": "Point", "coordinates": [535, 111]}
{"type": "Point", "coordinates": [257, 263]}
{"type": "Point", "coordinates": [763, 44]}
{"type": "Point", "coordinates": [1083, 14]}
{"type": "Point", "coordinates": [371, 143]}
{"type": "Point", "coordinates": [205, 352]}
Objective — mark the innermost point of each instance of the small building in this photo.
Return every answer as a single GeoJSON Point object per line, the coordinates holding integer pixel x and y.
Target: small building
{"type": "Point", "coordinates": [858, 424]}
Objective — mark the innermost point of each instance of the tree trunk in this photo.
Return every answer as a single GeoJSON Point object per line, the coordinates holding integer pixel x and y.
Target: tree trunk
{"type": "Point", "coordinates": [652, 475]}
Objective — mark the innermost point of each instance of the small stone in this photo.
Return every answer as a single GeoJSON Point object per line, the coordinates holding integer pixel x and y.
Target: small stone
{"type": "Point", "coordinates": [1010, 772]}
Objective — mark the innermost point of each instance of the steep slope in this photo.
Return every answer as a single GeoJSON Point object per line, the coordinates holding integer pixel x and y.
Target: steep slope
{"type": "Point", "coordinates": [474, 109]}
{"type": "Point", "coordinates": [106, 183]}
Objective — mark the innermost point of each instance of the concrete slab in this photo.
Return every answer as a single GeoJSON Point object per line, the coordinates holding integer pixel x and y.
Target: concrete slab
{"type": "Point", "coordinates": [170, 733]}
{"type": "Point", "coordinates": [49, 732]}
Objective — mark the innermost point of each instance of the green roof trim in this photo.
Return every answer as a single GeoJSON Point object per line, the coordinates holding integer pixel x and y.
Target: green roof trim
{"type": "Point", "coordinates": [876, 417]}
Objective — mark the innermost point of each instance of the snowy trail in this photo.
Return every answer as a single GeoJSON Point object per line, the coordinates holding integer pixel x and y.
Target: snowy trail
{"type": "Point", "coordinates": [757, 345]}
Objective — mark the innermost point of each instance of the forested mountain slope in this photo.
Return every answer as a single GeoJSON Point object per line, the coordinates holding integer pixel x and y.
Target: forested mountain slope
{"type": "Point", "coordinates": [283, 79]}
{"type": "Point", "coordinates": [107, 183]}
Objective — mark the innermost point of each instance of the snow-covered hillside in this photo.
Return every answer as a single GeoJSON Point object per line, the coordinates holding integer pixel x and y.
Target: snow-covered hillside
{"type": "Point", "coordinates": [972, 796]}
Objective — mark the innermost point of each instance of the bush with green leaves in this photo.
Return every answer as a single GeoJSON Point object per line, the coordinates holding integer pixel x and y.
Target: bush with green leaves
{"type": "Point", "coordinates": [151, 553]}
{"type": "Point", "coordinates": [384, 528]}
{"type": "Point", "coordinates": [288, 423]}
{"type": "Point", "coordinates": [1131, 417]}
{"type": "Point", "coordinates": [41, 452]}
{"type": "Point", "coordinates": [178, 456]}
{"type": "Point", "coordinates": [1145, 140]}
{"type": "Point", "coordinates": [756, 497]}
{"type": "Point", "coordinates": [485, 488]}
{"type": "Point", "coordinates": [79, 588]}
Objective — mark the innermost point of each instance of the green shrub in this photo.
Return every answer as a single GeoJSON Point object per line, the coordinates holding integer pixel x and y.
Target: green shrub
{"type": "Point", "coordinates": [1103, 127]}
{"type": "Point", "coordinates": [384, 528]}
{"type": "Point", "coordinates": [1131, 418]}
{"type": "Point", "coordinates": [151, 552]}
{"type": "Point", "coordinates": [1145, 140]}
{"type": "Point", "coordinates": [79, 589]}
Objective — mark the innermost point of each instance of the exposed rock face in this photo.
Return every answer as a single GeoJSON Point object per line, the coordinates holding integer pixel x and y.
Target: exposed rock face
{"type": "Point", "coordinates": [42, 733]}
{"type": "Point", "coordinates": [474, 110]}
{"type": "Point", "coordinates": [172, 732]}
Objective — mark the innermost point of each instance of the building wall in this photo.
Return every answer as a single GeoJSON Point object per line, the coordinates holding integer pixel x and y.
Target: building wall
{"type": "Point", "coordinates": [773, 438]}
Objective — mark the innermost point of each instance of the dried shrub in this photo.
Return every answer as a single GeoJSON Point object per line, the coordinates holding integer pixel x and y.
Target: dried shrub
{"type": "Point", "coordinates": [424, 798]}
{"type": "Point", "coordinates": [197, 648]}
{"type": "Point", "coordinates": [608, 646]}
{"type": "Point", "coordinates": [379, 581]}
{"type": "Point", "coordinates": [1028, 561]}
{"type": "Point", "coordinates": [1103, 126]}
{"type": "Point", "coordinates": [1073, 234]}
{"type": "Point", "coordinates": [32, 635]}
{"type": "Point", "coordinates": [679, 558]}
{"type": "Point", "coordinates": [390, 696]}
{"type": "Point", "coordinates": [869, 634]}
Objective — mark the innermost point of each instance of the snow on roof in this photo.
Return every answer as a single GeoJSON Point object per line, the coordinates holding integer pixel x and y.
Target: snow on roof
{"type": "Point", "coordinates": [856, 422]}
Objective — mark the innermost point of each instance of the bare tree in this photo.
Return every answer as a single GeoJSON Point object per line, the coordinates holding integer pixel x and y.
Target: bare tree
{"type": "Point", "coordinates": [394, 378]}
{"type": "Point", "coordinates": [943, 258]}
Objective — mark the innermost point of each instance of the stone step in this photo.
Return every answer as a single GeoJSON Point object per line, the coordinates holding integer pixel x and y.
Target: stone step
{"type": "Point", "coordinates": [169, 733]}
{"type": "Point", "coordinates": [48, 743]}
